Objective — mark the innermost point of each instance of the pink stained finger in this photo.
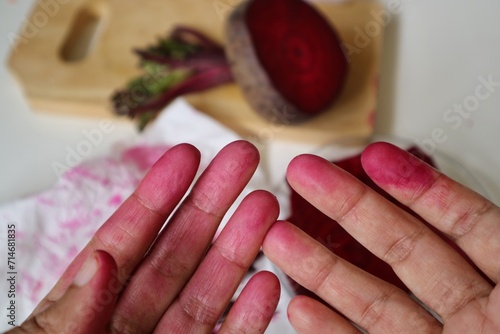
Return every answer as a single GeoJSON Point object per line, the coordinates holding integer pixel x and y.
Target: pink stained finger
{"type": "Point", "coordinates": [215, 281]}
{"type": "Point", "coordinates": [129, 232]}
{"type": "Point", "coordinates": [373, 304]}
{"type": "Point", "coordinates": [183, 243]}
{"type": "Point", "coordinates": [467, 218]}
{"type": "Point", "coordinates": [414, 252]}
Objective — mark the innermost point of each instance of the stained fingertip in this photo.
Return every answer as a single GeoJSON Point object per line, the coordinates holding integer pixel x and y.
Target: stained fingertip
{"type": "Point", "coordinates": [181, 151]}
{"type": "Point", "coordinates": [305, 167]}
{"type": "Point", "coordinates": [245, 148]}
{"type": "Point", "coordinates": [283, 236]}
{"type": "Point", "coordinates": [267, 280]}
{"type": "Point", "coordinates": [243, 144]}
{"type": "Point", "coordinates": [297, 161]}
{"type": "Point", "coordinates": [263, 197]}
{"type": "Point", "coordinates": [184, 154]}
{"type": "Point", "coordinates": [169, 177]}
{"type": "Point", "coordinates": [307, 315]}
{"type": "Point", "coordinates": [273, 240]}
{"type": "Point", "coordinates": [255, 307]}
{"type": "Point", "coordinates": [235, 163]}
{"type": "Point", "coordinates": [389, 165]}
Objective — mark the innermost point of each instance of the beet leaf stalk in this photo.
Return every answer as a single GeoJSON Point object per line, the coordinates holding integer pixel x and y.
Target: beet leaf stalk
{"type": "Point", "coordinates": [184, 62]}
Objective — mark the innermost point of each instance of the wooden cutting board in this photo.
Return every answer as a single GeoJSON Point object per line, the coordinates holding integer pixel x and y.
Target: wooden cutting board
{"type": "Point", "coordinates": [70, 57]}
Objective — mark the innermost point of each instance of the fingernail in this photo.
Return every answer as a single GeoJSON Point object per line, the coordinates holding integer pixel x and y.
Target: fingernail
{"type": "Point", "coordinates": [87, 271]}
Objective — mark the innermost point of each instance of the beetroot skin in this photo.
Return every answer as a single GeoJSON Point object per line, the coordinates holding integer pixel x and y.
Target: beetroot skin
{"type": "Point", "coordinates": [286, 58]}
{"type": "Point", "coordinates": [333, 236]}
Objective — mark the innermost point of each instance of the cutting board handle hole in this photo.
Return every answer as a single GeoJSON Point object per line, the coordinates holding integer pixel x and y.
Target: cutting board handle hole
{"type": "Point", "coordinates": [84, 32]}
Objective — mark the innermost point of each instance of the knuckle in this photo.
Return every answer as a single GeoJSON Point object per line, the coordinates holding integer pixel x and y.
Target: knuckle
{"type": "Point", "coordinates": [169, 266]}
{"type": "Point", "coordinates": [200, 310]}
{"type": "Point", "coordinates": [122, 325]}
{"type": "Point", "coordinates": [318, 269]}
{"type": "Point", "coordinates": [44, 323]}
{"type": "Point", "coordinates": [31, 326]}
{"type": "Point", "coordinates": [349, 205]}
{"type": "Point", "coordinates": [403, 247]}
{"type": "Point", "coordinates": [231, 256]}
{"type": "Point", "coordinates": [202, 202]}
{"type": "Point", "coordinates": [464, 220]}
{"type": "Point", "coordinates": [146, 205]}
{"type": "Point", "coordinates": [375, 309]}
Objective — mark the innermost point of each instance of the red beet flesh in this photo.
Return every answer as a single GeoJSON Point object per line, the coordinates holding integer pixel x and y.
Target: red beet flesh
{"type": "Point", "coordinates": [286, 58]}
{"type": "Point", "coordinates": [299, 51]}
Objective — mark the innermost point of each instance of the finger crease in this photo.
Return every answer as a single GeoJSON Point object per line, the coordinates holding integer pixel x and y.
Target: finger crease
{"type": "Point", "coordinates": [403, 247]}
{"type": "Point", "coordinates": [172, 269]}
{"type": "Point", "coordinates": [458, 295]}
{"type": "Point", "coordinates": [202, 313]}
{"type": "Point", "coordinates": [322, 276]}
{"type": "Point", "coordinates": [349, 205]}
{"type": "Point", "coordinates": [41, 324]}
{"type": "Point", "coordinates": [123, 326]}
{"type": "Point", "coordinates": [421, 191]}
{"type": "Point", "coordinates": [153, 211]}
{"type": "Point", "coordinates": [230, 257]}
{"type": "Point", "coordinates": [466, 222]}
{"type": "Point", "coordinates": [193, 202]}
{"type": "Point", "coordinates": [374, 311]}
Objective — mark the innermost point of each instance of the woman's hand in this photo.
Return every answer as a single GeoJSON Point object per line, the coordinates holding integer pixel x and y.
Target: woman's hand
{"type": "Point", "coordinates": [441, 278]}
{"type": "Point", "coordinates": [134, 278]}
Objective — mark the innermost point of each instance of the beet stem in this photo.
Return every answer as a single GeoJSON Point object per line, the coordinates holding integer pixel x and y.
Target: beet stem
{"type": "Point", "coordinates": [198, 82]}
{"type": "Point", "coordinates": [188, 35]}
{"type": "Point", "coordinates": [200, 61]}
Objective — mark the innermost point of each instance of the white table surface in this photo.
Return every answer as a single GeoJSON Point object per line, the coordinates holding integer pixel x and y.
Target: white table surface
{"type": "Point", "coordinates": [435, 51]}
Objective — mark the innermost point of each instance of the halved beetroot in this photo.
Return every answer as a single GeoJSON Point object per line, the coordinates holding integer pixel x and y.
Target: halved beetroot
{"type": "Point", "coordinates": [286, 58]}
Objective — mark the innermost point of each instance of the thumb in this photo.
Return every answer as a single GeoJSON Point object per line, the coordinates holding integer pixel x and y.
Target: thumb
{"type": "Point", "coordinates": [87, 305]}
